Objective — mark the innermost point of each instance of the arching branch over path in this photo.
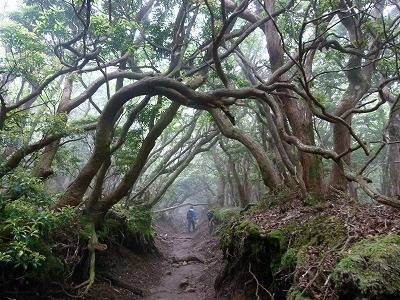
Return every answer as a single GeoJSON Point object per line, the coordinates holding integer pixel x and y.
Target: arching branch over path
{"type": "Point", "coordinates": [180, 205]}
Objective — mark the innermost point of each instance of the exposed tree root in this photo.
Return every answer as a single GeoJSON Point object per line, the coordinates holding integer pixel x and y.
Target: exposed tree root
{"type": "Point", "coordinates": [187, 258]}
{"type": "Point", "coordinates": [93, 245]}
{"type": "Point", "coordinates": [117, 282]}
{"type": "Point", "coordinates": [259, 285]}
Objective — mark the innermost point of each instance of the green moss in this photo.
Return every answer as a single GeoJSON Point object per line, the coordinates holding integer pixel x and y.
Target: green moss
{"type": "Point", "coordinates": [323, 230]}
{"type": "Point", "coordinates": [290, 227]}
{"type": "Point", "coordinates": [109, 229]}
{"type": "Point", "coordinates": [141, 223]}
{"type": "Point", "coordinates": [249, 228]}
{"type": "Point", "coordinates": [221, 218]}
{"type": "Point", "coordinates": [87, 227]}
{"type": "Point", "coordinates": [289, 260]}
{"type": "Point", "coordinates": [312, 200]}
{"type": "Point", "coordinates": [276, 242]}
{"type": "Point", "coordinates": [371, 267]}
{"type": "Point", "coordinates": [224, 215]}
{"type": "Point", "coordinates": [277, 236]}
{"type": "Point", "coordinates": [320, 233]}
{"type": "Point", "coordinates": [256, 247]}
{"type": "Point", "coordinates": [133, 221]}
{"type": "Point", "coordinates": [280, 257]}
{"type": "Point", "coordinates": [239, 236]}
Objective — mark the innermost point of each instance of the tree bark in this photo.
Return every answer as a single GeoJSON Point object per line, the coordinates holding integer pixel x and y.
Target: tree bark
{"type": "Point", "coordinates": [391, 174]}
{"type": "Point", "coordinates": [359, 79]}
{"type": "Point", "coordinates": [218, 162]}
{"type": "Point", "coordinates": [297, 112]}
{"type": "Point", "coordinates": [97, 209]}
{"type": "Point", "coordinates": [237, 183]}
{"type": "Point", "coordinates": [43, 168]}
{"type": "Point", "coordinates": [270, 176]}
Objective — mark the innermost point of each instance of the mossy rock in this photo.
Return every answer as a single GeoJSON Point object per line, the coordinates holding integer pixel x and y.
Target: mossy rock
{"type": "Point", "coordinates": [289, 260]}
{"type": "Point", "coordinates": [371, 268]}
{"type": "Point", "coordinates": [322, 232]}
{"type": "Point", "coordinates": [279, 257]}
{"type": "Point", "coordinates": [309, 241]}
{"type": "Point", "coordinates": [242, 238]}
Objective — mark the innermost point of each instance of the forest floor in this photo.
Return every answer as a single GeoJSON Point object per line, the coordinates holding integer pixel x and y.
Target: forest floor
{"type": "Point", "coordinates": [185, 268]}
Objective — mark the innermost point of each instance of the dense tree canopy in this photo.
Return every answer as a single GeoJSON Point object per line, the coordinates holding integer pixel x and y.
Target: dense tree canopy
{"type": "Point", "coordinates": [110, 101]}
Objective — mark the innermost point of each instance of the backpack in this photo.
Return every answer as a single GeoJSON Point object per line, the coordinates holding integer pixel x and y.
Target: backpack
{"type": "Point", "coordinates": [190, 215]}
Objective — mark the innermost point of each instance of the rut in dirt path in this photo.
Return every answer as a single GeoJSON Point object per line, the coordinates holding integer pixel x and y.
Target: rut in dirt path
{"type": "Point", "coordinates": [187, 262]}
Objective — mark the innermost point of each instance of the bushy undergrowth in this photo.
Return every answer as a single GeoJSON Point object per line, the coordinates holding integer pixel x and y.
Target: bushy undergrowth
{"type": "Point", "coordinates": [26, 236]}
{"type": "Point", "coordinates": [44, 251]}
{"type": "Point", "coordinates": [39, 246]}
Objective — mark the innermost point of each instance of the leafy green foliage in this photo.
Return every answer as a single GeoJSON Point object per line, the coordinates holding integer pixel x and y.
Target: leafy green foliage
{"type": "Point", "coordinates": [26, 53]}
{"type": "Point", "coordinates": [151, 112]}
{"type": "Point", "coordinates": [51, 21]}
{"type": "Point", "coordinates": [23, 232]}
{"type": "Point", "coordinates": [19, 249]}
{"type": "Point", "coordinates": [68, 159]}
{"type": "Point", "coordinates": [19, 40]}
{"type": "Point", "coordinates": [99, 25]}
{"type": "Point", "coordinates": [24, 16]}
{"type": "Point", "coordinates": [21, 185]}
{"type": "Point", "coordinates": [22, 127]}
{"type": "Point", "coordinates": [126, 154]}
{"type": "Point", "coordinates": [120, 33]}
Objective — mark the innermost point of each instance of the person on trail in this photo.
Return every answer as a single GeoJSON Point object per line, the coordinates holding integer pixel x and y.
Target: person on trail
{"type": "Point", "coordinates": [191, 218]}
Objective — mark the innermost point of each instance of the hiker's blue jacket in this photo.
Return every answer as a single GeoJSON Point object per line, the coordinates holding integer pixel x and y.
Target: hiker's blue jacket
{"type": "Point", "coordinates": [191, 215]}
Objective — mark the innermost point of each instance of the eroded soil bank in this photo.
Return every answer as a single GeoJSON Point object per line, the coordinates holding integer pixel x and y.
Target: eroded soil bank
{"type": "Point", "coordinates": [334, 249]}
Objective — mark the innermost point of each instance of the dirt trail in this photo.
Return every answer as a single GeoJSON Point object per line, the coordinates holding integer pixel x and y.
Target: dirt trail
{"type": "Point", "coordinates": [181, 279]}
{"type": "Point", "coordinates": [162, 277]}
{"type": "Point", "coordinates": [188, 264]}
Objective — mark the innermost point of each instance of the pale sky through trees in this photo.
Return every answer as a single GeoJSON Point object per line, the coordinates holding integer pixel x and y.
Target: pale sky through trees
{"type": "Point", "coordinates": [8, 5]}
